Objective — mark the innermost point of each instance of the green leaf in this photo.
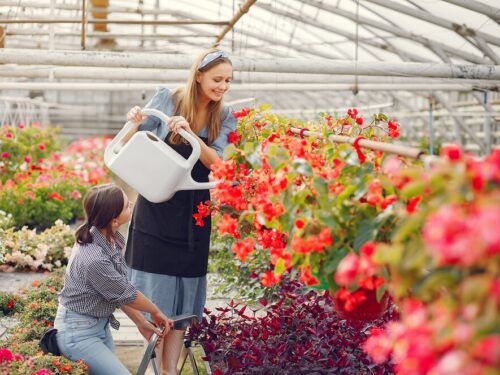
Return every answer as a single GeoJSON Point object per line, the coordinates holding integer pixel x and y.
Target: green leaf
{"type": "Point", "coordinates": [381, 291]}
{"type": "Point", "coordinates": [436, 280]}
{"type": "Point", "coordinates": [366, 231]}
{"type": "Point", "coordinates": [413, 189]}
{"type": "Point", "coordinates": [229, 151]}
{"type": "Point", "coordinates": [279, 268]}
{"type": "Point", "coordinates": [265, 107]}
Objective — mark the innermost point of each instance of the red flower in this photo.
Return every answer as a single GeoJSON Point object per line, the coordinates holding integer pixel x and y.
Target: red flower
{"type": "Point", "coordinates": [306, 277]}
{"type": "Point", "coordinates": [452, 152]}
{"type": "Point", "coordinates": [10, 305]}
{"type": "Point", "coordinates": [299, 223]}
{"type": "Point", "coordinates": [352, 113]}
{"type": "Point", "coordinates": [5, 155]}
{"type": "Point", "coordinates": [393, 128]}
{"type": "Point", "coordinates": [243, 113]}
{"type": "Point", "coordinates": [8, 135]}
{"type": "Point", "coordinates": [234, 137]}
{"type": "Point", "coordinates": [269, 278]}
{"type": "Point", "coordinates": [41, 146]}
{"type": "Point", "coordinates": [56, 196]}
{"type": "Point", "coordinates": [27, 159]}
{"type": "Point", "coordinates": [243, 248]}
{"type": "Point", "coordinates": [228, 225]}
{"type": "Point", "coordinates": [411, 206]}
{"type": "Point", "coordinates": [359, 120]}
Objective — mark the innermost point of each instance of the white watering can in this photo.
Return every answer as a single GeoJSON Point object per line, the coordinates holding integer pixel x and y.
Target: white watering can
{"type": "Point", "coordinates": [150, 166]}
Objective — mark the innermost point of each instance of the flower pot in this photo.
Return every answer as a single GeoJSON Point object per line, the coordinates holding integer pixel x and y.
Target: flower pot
{"type": "Point", "coordinates": [363, 308]}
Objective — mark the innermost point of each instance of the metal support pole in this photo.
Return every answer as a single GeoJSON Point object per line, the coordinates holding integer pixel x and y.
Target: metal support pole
{"type": "Point", "coordinates": [487, 124]}
{"type": "Point", "coordinates": [431, 140]}
{"type": "Point", "coordinates": [243, 9]}
{"type": "Point", "coordinates": [83, 24]}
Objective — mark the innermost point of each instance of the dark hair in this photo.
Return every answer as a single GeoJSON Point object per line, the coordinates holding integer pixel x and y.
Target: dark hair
{"type": "Point", "coordinates": [101, 204]}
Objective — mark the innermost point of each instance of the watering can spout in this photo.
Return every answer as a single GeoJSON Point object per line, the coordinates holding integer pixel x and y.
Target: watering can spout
{"type": "Point", "coordinates": [190, 184]}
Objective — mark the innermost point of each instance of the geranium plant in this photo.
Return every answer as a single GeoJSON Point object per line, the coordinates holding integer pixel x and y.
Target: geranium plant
{"type": "Point", "coordinates": [445, 269]}
{"type": "Point", "coordinates": [307, 202]}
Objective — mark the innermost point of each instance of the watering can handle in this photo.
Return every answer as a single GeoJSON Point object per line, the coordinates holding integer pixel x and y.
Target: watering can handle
{"type": "Point", "coordinates": [195, 155]}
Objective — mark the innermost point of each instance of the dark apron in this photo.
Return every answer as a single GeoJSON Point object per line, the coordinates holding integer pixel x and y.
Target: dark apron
{"type": "Point", "coordinates": [163, 237]}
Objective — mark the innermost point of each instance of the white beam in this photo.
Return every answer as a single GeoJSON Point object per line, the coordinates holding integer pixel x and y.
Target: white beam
{"type": "Point", "coordinates": [432, 44]}
{"type": "Point", "coordinates": [436, 20]}
{"type": "Point", "coordinates": [318, 66]}
{"type": "Point", "coordinates": [178, 75]}
{"type": "Point", "coordinates": [476, 6]}
{"type": "Point", "coordinates": [98, 86]}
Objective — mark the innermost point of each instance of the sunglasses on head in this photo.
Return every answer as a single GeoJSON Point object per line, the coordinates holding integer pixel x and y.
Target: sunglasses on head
{"type": "Point", "coordinates": [212, 56]}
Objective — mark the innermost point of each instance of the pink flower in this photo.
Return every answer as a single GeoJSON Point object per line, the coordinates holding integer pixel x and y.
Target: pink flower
{"type": "Point", "coordinates": [378, 345]}
{"type": "Point", "coordinates": [43, 371]}
{"type": "Point", "coordinates": [5, 355]}
{"type": "Point", "coordinates": [487, 349]}
{"type": "Point", "coordinates": [27, 159]}
{"type": "Point", "coordinates": [5, 155]}
{"type": "Point", "coordinates": [448, 236]}
{"type": "Point", "coordinates": [8, 135]}
{"type": "Point", "coordinates": [347, 269]}
{"type": "Point", "coordinates": [75, 194]}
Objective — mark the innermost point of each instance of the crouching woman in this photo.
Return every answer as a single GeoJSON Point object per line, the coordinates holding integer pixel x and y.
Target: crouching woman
{"type": "Point", "coordinates": [95, 285]}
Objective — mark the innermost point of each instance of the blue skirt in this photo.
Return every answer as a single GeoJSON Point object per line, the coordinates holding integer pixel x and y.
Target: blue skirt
{"type": "Point", "coordinates": [173, 295]}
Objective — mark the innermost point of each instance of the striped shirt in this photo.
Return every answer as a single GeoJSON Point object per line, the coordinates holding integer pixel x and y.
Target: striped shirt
{"type": "Point", "coordinates": [96, 281]}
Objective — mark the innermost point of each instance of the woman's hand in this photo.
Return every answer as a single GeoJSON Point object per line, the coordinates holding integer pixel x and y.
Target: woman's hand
{"type": "Point", "coordinates": [135, 115]}
{"type": "Point", "coordinates": [162, 321]}
{"type": "Point", "coordinates": [147, 329]}
{"type": "Point", "coordinates": [177, 123]}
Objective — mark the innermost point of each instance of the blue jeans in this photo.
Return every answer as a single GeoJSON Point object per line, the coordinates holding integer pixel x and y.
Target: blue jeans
{"type": "Point", "coordinates": [89, 339]}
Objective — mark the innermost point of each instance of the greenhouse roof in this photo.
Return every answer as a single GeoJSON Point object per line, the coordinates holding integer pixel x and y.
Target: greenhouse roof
{"type": "Point", "coordinates": [300, 55]}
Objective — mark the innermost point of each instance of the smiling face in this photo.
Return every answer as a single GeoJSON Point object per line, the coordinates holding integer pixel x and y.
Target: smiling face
{"type": "Point", "coordinates": [215, 82]}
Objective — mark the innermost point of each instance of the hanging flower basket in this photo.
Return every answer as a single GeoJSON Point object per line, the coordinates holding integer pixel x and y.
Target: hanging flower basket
{"type": "Point", "coordinates": [360, 305]}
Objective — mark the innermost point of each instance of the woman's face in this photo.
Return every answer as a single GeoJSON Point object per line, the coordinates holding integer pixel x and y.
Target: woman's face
{"type": "Point", "coordinates": [126, 213]}
{"type": "Point", "coordinates": [215, 82]}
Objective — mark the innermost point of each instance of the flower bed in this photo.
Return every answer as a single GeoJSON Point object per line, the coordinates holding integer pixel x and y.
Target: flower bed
{"type": "Point", "coordinates": [35, 309]}
{"type": "Point", "coordinates": [27, 249]}
{"type": "Point", "coordinates": [46, 184]}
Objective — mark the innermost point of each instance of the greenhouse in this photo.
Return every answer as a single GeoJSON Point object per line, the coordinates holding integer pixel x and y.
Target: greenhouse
{"type": "Point", "coordinates": [249, 187]}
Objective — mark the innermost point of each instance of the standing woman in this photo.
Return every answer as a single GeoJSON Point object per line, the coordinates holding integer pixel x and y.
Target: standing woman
{"type": "Point", "coordinates": [167, 254]}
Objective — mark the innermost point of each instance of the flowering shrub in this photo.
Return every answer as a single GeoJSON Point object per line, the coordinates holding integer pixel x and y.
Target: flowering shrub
{"type": "Point", "coordinates": [21, 147]}
{"type": "Point", "coordinates": [444, 266]}
{"type": "Point", "coordinates": [9, 304]}
{"type": "Point", "coordinates": [28, 249]}
{"type": "Point", "coordinates": [307, 202]}
{"type": "Point", "coordinates": [39, 194]}
{"type": "Point", "coordinates": [299, 333]}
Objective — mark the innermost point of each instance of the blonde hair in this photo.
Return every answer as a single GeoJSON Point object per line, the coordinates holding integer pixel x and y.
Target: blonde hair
{"type": "Point", "coordinates": [186, 99]}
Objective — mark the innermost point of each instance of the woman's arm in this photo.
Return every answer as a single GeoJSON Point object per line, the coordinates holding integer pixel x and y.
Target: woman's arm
{"type": "Point", "coordinates": [142, 303]}
{"type": "Point", "coordinates": [145, 328]}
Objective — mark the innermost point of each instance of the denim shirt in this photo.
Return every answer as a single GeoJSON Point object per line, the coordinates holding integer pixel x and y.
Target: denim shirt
{"type": "Point", "coordinates": [163, 101]}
